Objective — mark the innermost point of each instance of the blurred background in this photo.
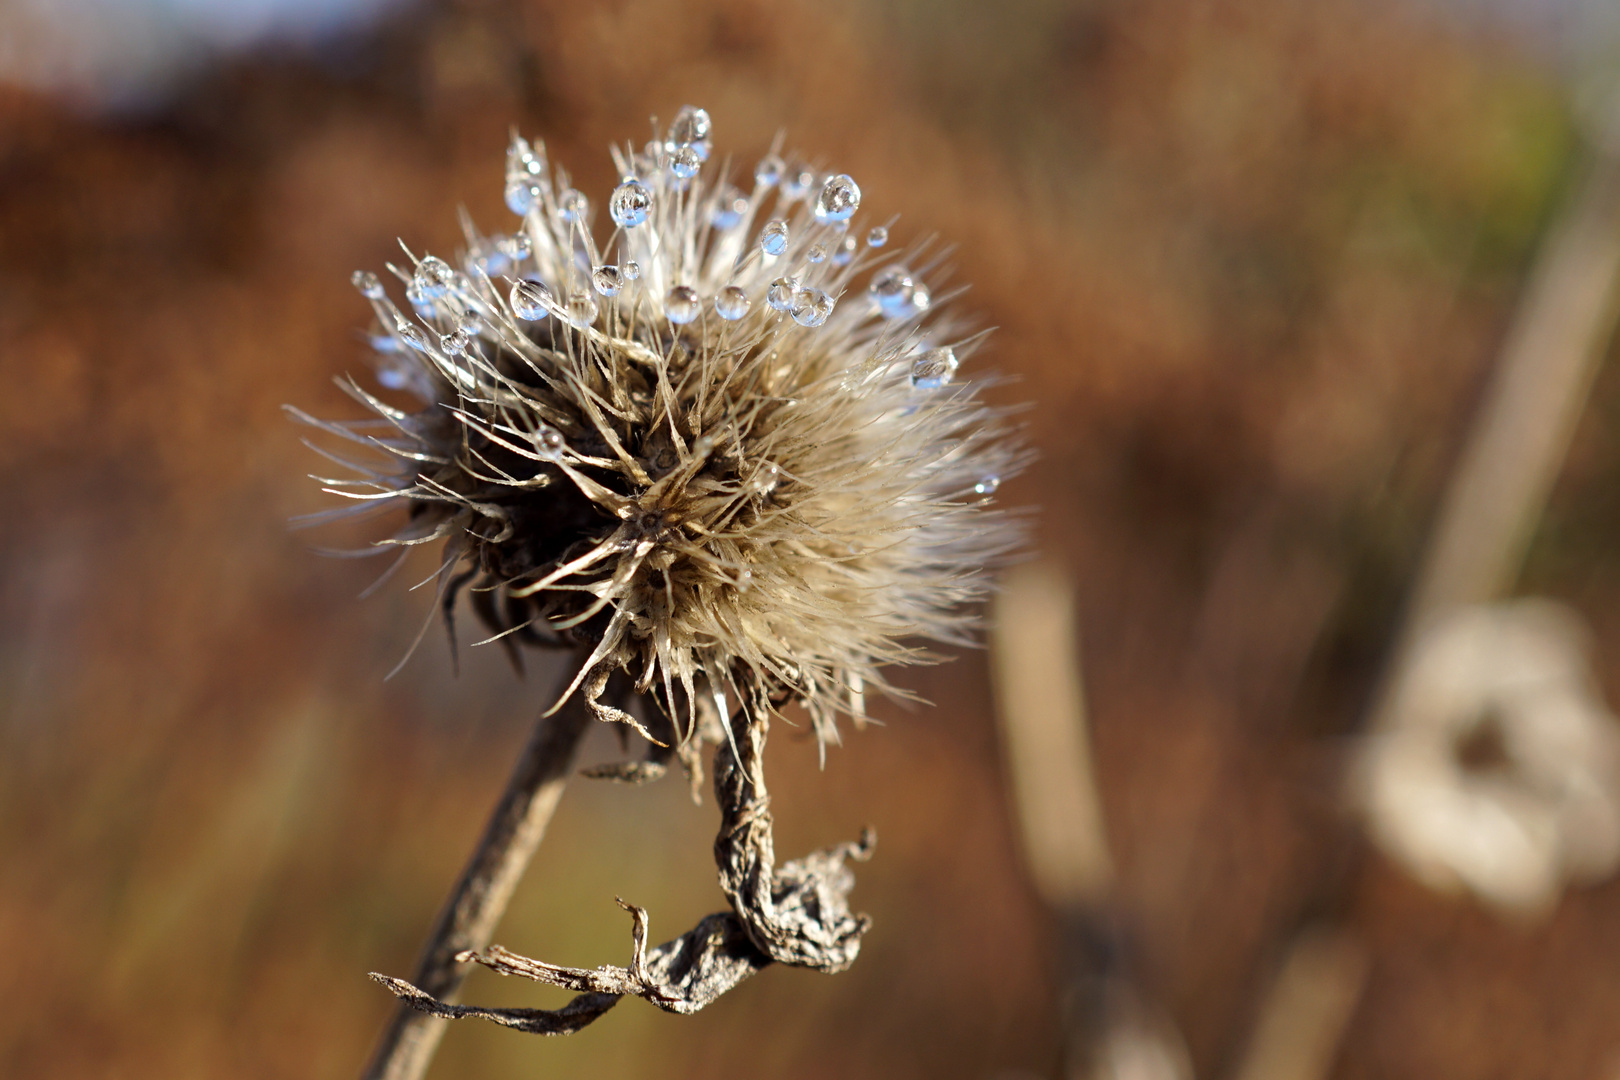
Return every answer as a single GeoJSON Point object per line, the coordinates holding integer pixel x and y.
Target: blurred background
{"type": "Point", "coordinates": [1254, 262]}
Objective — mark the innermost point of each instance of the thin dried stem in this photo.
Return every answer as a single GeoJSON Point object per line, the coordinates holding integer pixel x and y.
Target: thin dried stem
{"type": "Point", "coordinates": [475, 906]}
{"type": "Point", "coordinates": [795, 914]}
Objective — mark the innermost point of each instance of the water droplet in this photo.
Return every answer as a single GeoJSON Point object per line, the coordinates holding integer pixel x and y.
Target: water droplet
{"type": "Point", "coordinates": [817, 253]}
{"type": "Point", "coordinates": [780, 295]}
{"type": "Point", "coordinates": [368, 284]}
{"type": "Point", "coordinates": [471, 323]}
{"type": "Point", "coordinates": [920, 299]}
{"type": "Point", "coordinates": [572, 205]}
{"type": "Point", "coordinates": [682, 305]}
{"type": "Point", "coordinates": [877, 237]}
{"type": "Point", "coordinates": [549, 442]}
{"type": "Point", "coordinates": [745, 579]}
{"type": "Point", "coordinates": [769, 171]}
{"type": "Point", "coordinates": [731, 303]}
{"type": "Point", "coordinates": [517, 247]}
{"type": "Point", "coordinates": [988, 485]}
{"type": "Point", "coordinates": [424, 307]}
{"type": "Point", "coordinates": [844, 252]}
{"type": "Point", "coordinates": [934, 368]}
{"type": "Point", "coordinates": [433, 277]}
{"type": "Point", "coordinates": [691, 126]}
{"type": "Point", "coordinates": [630, 204]}
{"type": "Point", "coordinates": [773, 238]}
{"type": "Point", "coordinates": [455, 341]}
{"type": "Point", "coordinates": [608, 280]}
{"type": "Point", "coordinates": [393, 374]}
{"type": "Point", "coordinates": [811, 307]}
{"type": "Point", "coordinates": [632, 270]}
{"type": "Point", "coordinates": [531, 300]}
{"type": "Point", "coordinates": [765, 480]}
{"type": "Point", "coordinates": [729, 207]}
{"type": "Point", "coordinates": [840, 197]}
{"type": "Point", "coordinates": [412, 336]}
{"type": "Point", "coordinates": [685, 163]}
{"type": "Point", "coordinates": [581, 309]}
{"type": "Point", "coordinates": [486, 256]}
{"type": "Point", "coordinates": [521, 195]}
{"type": "Point", "coordinates": [797, 181]}
{"type": "Point", "coordinates": [522, 159]}
{"type": "Point", "coordinates": [892, 289]}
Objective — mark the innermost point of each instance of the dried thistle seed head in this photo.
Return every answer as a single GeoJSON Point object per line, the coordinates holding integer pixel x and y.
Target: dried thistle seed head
{"type": "Point", "coordinates": [722, 473]}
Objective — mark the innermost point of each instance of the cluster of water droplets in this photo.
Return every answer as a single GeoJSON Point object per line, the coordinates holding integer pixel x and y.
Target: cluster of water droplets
{"type": "Point", "coordinates": [684, 250]}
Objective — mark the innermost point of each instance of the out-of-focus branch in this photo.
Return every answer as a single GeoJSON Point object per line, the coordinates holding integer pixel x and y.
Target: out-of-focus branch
{"type": "Point", "coordinates": [1309, 1004]}
{"type": "Point", "coordinates": [1518, 442]}
{"type": "Point", "coordinates": [1113, 1029]}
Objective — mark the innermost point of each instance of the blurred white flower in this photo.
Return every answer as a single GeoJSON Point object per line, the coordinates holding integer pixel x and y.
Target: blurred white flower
{"type": "Point", "coordinates": [1498, 770]}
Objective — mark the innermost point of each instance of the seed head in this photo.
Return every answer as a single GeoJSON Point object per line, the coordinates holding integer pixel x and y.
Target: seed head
{"type": "Point", "coordinates": [735, 469]}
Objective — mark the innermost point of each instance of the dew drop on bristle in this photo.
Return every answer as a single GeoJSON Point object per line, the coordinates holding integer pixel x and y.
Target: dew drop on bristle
{"type": "Point", "coordinates": [729, 208]}
{"type": "Point", "coordinates": [632, 270]}
{"type": "Point", "coordinates": [797, 181]}
{"type": "Point", "coordinates": [934, 368]}
{"type": "Point", "coordinates": [517, 247]}
{"type": "Point", "coordinates": [920, 299]}
{"type": "Point", "coordinates": [892, 290]}
{"type": "Point", "coordinates": [765, 479]}
{"type": "Point", "coordinates": [844, 252]}
{"type": "Point", "coordinates": [811, 307]}
{"type": "Point", "coordinates": [682, 305]}
{"type": "Point", "coordinates": [816, 254]}
{"type": "Point", "coordinates": [773, 238]}
{"type": "Point", "coordinates": [470, 323]}
{"type": "Point", "coordinates": [690, 126]}
{"type": "Point", "coordinates": [531, 300]}
{"type": "Point", "coordinates": [608, 280]}
{"type": "Point", "coordinates": [433, 277]}
{"type": "Point", "coordinates": [768, 173]}
{"type": "Point", "coordinates": [581, 309]}
{"type": "Point", "coordinates": [685, 163]}
{"type": "Point", "coordinates": [522, 159]}
{"type": "Point", "coordinates": [780, 295]}
{"type": "Point", "coordinates": [572, 205]}
{"type": "Point", "coordinates": [877, 237]}
{"type": "Point", "coordinates": [487, 257]}
{"type": "Point", "coordinates": [630, 204]}
{"type": "Point", "coordinates": [988, 485]}
{"type": "Point", "coordinates": [456, 341]}
{"type": "Point", "coordinates": [424, 307]}
{"type": "Point", "coordinates": [412, 336]}
{"type": "Point", "coordinates": [839, 199]}
{"type": "Point", "coordinates": [369, 285]}
{"type": "Point", "coordinates": [549, 442]}
{"type": "Point", "coordinates": [731, 303]}
{"type": "Point", "coordinates": [393, 374]}
{"type": "Point", "coordinates": [521, 196]}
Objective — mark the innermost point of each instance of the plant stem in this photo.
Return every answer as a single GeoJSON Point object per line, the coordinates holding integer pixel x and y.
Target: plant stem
{"type": "Point", "coordinates": [475, 906]}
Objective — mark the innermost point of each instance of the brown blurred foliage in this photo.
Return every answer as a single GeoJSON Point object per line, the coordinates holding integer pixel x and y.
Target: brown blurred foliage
{"type": "Point", "coordinates": [1249, 259]}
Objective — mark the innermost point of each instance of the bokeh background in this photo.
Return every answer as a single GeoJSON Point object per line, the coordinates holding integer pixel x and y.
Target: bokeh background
{"type": "Point", "coordinates": [1250, 259]}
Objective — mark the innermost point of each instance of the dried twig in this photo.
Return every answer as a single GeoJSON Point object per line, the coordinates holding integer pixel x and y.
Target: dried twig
{"type": "Point", "coordinates": [480, 897]}
{"type": "Point", "coordinates": [796, 914]}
